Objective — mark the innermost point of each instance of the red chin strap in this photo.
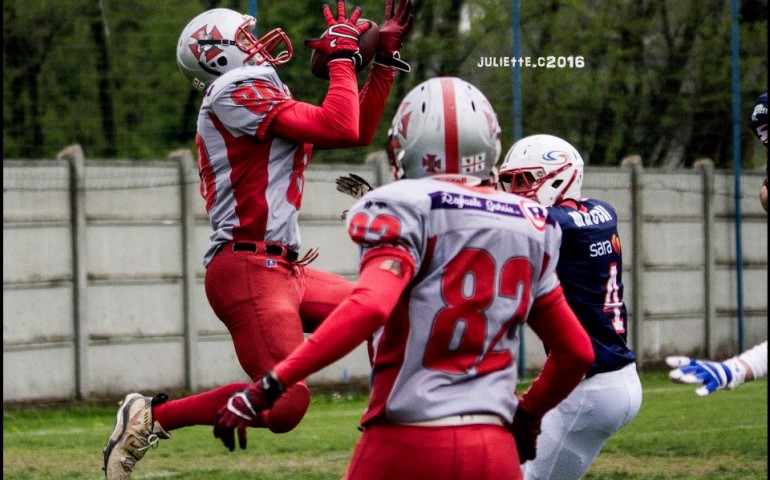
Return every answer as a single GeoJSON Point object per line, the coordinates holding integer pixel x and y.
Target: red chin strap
{"type": "Point", "coordinates": [560, 196]}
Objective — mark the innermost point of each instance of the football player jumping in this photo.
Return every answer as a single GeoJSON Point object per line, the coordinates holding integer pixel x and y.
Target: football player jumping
{"type": "Point", "coordinates": [254, 143]}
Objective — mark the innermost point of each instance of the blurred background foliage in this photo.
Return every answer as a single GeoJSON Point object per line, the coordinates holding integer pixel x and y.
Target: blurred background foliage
{"type": "Point", "coordinates": [656, 80]}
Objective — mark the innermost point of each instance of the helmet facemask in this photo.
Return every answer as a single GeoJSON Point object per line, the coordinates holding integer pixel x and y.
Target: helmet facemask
{"type": "Point", "coordinates": [262, 49]}
{"type": "Point", "coordinates": [271, 42]}
{"type": "Point", "coordinates": [527, 181]}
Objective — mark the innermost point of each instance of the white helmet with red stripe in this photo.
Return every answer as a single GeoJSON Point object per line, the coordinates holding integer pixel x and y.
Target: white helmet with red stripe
{"type": "Point", "coordinates": [445, 127]}
{"type": "Point", "coordinates": [219, 40]}
{"type": "Point", "coordinates": [543, 167]}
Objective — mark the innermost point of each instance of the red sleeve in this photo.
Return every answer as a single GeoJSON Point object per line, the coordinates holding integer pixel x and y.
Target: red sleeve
{"type": "Point", "coordinates": [570, 353]}
{"type": "Point", "coordinates": [334, 122]}
{"type": "Point", "coordinates": [372, 101]}
{"type": "Point", "coordinates": [382, 280]}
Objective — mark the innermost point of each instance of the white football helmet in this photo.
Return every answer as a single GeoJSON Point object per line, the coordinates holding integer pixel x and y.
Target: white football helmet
{"type": "Point", "coordinates": [445, 127]}
{"type": "Point", "coordinates": [219, 40]}
{"type": "Point", "coordinates": [544, 168]}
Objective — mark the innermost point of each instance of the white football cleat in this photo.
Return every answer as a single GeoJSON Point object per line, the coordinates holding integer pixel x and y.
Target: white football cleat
{"type": "Point", "coordinates": [134, 433]}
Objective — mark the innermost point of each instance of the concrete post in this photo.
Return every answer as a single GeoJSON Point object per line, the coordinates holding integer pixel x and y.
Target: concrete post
{"type": "Point", "coordinates": [184, 159]}
{"type": "Point", "coordinates": [73, 155]}
{"type": "Point", "coordinates": [709, 261]}
{"type": "Point", "coordinates": [637, 262]}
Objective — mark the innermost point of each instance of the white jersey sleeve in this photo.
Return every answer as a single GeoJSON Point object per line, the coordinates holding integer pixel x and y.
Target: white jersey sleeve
{"type": "Point", "coordinates": [246, 99]}
{"type": "Point", "coordinates": [756, 358]}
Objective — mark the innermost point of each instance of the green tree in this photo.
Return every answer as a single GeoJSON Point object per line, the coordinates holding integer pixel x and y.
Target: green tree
{"type": "Point", "coordinates": [656, 80]}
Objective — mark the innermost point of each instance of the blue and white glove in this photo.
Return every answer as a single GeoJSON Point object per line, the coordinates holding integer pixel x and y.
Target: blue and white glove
{"type": "Point", "coordinates": [711, 376]}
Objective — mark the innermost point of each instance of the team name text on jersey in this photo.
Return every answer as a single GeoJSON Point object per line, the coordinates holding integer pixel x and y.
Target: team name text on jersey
{"type": "Point", "coordinates": [595, 216]}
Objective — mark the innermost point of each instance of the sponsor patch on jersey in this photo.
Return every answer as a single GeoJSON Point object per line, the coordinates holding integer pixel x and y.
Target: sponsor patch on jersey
{"type": "Point", "coordinates": [393, 266]}
{"type": "Point", "coordinates": [615, 240]}
{"type": "Point", "coordinates": [605, 247]}
{"type": "Point", "coordinates": [599, 249]}
{"type": "Point", "coordinates": [537, 214]}
{"type": "Point", "coordinates": [271, 263]}
{"type": "Point", "coordinates": [459, 201]}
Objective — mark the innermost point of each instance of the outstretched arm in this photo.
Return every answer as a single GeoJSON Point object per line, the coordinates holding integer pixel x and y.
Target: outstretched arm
{"type": "Point", "coordinates": [398, 24]}
{"type": "Point", "coordinates": [374, 94]}
{"type": "Point", "coordinates": [372, 102]}
{"type": "Point", "coordinates": [712, 376]}
{"type": "Point", "coordinates": [336, 121]}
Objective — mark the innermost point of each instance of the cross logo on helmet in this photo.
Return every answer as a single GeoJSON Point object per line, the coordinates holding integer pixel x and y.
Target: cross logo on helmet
{"type": "Point", "coordinates": [431, 163]}
{"type": "Point", "coordinates": [211, 51]}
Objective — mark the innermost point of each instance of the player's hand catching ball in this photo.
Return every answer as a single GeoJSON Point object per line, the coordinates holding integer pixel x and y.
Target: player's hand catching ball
{"type": "Point", "coordinates": [340, 40]}
{"type": "Point", "coordinates": [242, 407]}
{"type": "Point", "coordinates": [398, 23]}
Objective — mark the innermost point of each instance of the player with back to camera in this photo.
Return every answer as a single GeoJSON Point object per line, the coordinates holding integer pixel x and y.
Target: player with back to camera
{"type": "Point", "coordinates": [549, 170]}
{"type": "Point", "coordinates": [254, 142]}
{"type": "Point", "coordinates": [751, 364]}
{"type": "Point", "coordinates": [449, 269]}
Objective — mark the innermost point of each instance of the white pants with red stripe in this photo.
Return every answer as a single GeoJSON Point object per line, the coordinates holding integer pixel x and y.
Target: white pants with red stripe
{"type": "Point", "coordinates": [575, 431]}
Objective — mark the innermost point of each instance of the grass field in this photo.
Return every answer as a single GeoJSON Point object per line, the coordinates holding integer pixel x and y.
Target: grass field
{"type": "Point", "coordinates": [676, 435]}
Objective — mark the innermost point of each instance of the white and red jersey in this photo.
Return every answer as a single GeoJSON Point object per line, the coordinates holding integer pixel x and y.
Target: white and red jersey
{"type": "Point", "coordinates": [481, 258]}
{"type": "Point", "coordinates": [252, 181]}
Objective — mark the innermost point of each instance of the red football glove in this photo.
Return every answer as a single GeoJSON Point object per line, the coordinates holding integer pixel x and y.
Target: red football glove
{"type": "Point", "coordinates": [241, 409]}
{"type": "Point", "coordinates": [392, 35]}
{"type": "Point", "coordinates": [340, 40]}
{"type": "Point", "coordinates": [525, 429]}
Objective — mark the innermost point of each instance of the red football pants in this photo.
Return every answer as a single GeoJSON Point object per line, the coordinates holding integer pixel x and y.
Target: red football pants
{"type": "Point", "coordinates": [478, 452]}
{"type": "Point", "coordinates": [265, 302]}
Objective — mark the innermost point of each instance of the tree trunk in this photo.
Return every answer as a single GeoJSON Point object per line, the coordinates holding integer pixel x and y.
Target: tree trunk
{"type": "Point", "coordinates": [99, 34]}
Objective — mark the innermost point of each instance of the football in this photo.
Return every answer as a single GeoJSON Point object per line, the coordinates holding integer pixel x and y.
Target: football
{"type": "Point", "coordinates": [367, 46]}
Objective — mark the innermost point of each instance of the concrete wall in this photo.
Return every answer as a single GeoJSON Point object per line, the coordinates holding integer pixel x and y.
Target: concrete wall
{"type": "Point", "coordinates": [103, 281]}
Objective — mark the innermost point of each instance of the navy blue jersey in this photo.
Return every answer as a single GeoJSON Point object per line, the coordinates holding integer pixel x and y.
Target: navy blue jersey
{"type": "Point", "coordinates": [590, 269]}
